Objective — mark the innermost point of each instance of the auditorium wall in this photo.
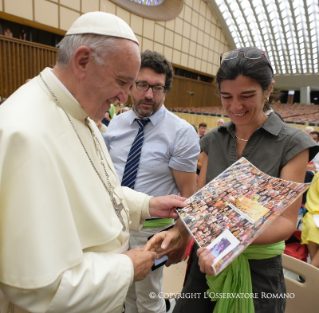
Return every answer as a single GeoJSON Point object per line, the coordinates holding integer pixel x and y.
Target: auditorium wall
{"type": "Point", "coordinates": [192, 40]}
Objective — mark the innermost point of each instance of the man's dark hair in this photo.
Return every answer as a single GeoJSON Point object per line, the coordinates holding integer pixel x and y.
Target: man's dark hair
{"type": "Point", "coordinates": [159, 64]}
{"type": "Point", "coordinates": [202, 125]}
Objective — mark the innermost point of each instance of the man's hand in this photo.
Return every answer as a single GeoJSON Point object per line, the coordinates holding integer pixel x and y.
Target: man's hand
{"type": "Point", "coordinates": [176, 255]}
{"type": "Point", "coordinates": [142, 262]}
{"type": "Point", "coordinates": [205, 261]}
{"type": "Point", "coordinates": [165, 206]}
{"type": "Point", "coordinates": [171, 243]}
{"type": "Point", "coordinates": [164, 241]}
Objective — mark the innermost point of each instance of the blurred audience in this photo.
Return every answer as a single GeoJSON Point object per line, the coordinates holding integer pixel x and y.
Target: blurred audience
{"type": "Point", "coordinates": [8, 33]}
{"type": "Point", "coordinates": [202, 127]}
{"type": "Point", "coordinates": [315, 135]}
{"type": "Point", "coordinates": [195, 128]}
{"type": "Point", "coordinates": [23, 34]}
{"type": "Point", "coordinates": [310, 231]}
{"type": "Point", "coordinates": [109, 115]}
{"type": "Point", "coordinates": [102, 128]}
{"type": "Point", "coordinates": [314, 164]}
{"type": "Point", "coordinates": [122, 109]}
{"type": "Point", "coordinates": [220, 122]}
{"type": "Point", "coordinates": [309, 129]}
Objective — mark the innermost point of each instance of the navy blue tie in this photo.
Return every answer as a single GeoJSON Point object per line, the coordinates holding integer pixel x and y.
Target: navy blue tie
{"type": "Point", "coordinates": [133, 159]}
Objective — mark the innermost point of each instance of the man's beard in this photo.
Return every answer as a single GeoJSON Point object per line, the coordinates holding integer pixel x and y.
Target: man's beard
{"type": "Point", "coordinates": [140, 112]}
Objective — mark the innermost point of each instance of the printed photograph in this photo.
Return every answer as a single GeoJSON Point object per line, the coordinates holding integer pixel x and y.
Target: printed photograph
{"type": "Point", "coordinates": [222, 245]}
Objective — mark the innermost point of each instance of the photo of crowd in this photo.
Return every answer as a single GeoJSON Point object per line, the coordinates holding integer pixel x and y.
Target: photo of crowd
{"type": "Point", "coordinates": [239, 203]}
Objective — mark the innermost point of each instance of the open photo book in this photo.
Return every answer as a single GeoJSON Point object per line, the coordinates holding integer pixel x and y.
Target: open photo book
{"type": "Point", "coordinates": [227, 214]}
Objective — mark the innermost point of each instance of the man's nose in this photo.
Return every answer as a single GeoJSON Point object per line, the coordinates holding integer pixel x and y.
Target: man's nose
{"type": "Point", "coordinates": [149, 93]}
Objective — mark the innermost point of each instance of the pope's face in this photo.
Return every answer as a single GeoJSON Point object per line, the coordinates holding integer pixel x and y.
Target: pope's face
{"type": "Point", "coordinates": [108, 83]}
{"type": "Point", "coordinates": [146, 103]}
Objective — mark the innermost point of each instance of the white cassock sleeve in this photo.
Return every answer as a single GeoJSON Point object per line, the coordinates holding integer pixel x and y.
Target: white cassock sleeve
{"type": "Point", "coordinates": [138, 205]}
{"type": "Point", "coordinates": [99, 284]}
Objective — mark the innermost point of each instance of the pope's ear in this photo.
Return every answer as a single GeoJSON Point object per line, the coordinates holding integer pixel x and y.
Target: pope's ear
{"type": "Point", "coordinates": [80, 61]}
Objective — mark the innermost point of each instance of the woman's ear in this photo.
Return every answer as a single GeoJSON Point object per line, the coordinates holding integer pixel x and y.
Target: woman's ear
{"type": "Point", "coordinates": [269, 90]}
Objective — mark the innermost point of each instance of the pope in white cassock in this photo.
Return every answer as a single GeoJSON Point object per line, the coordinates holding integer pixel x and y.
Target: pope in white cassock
{"type": "Point", "coordinates": [64, 216]}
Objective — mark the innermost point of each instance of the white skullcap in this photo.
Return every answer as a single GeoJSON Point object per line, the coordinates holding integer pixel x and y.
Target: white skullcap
{"type": "Point", "coordinates": [102, 23]}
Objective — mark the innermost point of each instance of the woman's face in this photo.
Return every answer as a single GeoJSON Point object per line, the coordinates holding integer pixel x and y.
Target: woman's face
{"type": "Point", "coordinates": [243, 100]}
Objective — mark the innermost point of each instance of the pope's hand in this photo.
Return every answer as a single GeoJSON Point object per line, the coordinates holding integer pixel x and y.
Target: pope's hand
{"type": "Point", "coordinates": [165, 206]}
{"type": "Point", "coordinates": [142, 262]}
{"type": "Point", "coordinates": [205, 261]}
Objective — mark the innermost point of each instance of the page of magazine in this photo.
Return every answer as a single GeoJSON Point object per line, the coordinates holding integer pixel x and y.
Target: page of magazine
{"type": "Point", "coordinates": [234, 208]}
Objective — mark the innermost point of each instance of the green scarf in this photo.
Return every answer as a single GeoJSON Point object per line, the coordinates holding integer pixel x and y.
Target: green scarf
{"type": "Point", "coordinates": [235, 279]}
{"type": "Point", "coordinates": [158, 222]}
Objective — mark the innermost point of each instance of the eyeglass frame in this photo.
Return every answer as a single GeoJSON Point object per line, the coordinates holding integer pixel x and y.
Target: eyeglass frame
{"type": "Point", "coordinates": [263, 53]}
{"type": "Point", "coordinates": [150, 86]}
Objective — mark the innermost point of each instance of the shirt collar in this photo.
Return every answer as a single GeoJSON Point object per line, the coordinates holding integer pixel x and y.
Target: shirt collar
{"type": "Point", "coordinates": [155, 118]}
{"type": "Point", "coordinates": [272, 125]}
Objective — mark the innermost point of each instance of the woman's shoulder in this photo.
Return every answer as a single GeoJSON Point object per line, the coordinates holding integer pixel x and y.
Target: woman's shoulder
{"type": "Point", "coordinates": [219, 131]}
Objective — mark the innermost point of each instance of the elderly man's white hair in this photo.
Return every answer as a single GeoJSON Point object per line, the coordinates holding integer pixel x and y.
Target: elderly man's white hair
{"type": "Point", "coordinates": [99, 44]}
{"type": "Point", "coordinates": [309, 129]}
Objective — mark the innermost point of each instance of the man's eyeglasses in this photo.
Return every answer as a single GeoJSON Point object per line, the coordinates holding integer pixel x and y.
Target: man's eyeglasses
{"type": "Point", "coordinates": [251, 54]}
{"type": "Point", "coordinates": [155, 88]}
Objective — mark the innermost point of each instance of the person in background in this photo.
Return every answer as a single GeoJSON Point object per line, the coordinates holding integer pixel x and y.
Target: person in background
{"type": "Point", "coordinates": [202, 127]}
{"type": "Point", "coordinates": [23, 34]}
{"type": "Point", "coordinates": [309, 129]}
{"type": "Point", "coordinates": [315, 136]}
{"type": "Point", "coordinates": [102, 128]}
{"type": "Point", "coordinates": [195, 128]}
{"type": "Point", "coordinates": [245, 82]}
{"type": "Point", "coordinates": [109, 115]}
{"type": "Point", "coordinates": [8, 33]}
{"type": "Point", "coordinates": [314, 164]}
{"type": "Point", "coordinates": [122, 109]}
{"type": "Point", "coordinates": [65, 218]}
{"type": "Point", "coordinates": [220, 122]}
{"type": "Point", "coordinates": [310, 230]}
{"type": "Point", "coordinates": [168, 149]}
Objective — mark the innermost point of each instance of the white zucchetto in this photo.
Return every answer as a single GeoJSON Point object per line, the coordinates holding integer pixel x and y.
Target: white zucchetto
{"type": "Point", "coordinates": [102, 23]}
